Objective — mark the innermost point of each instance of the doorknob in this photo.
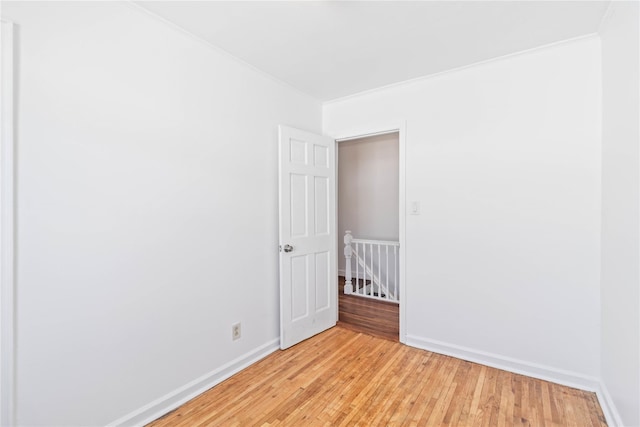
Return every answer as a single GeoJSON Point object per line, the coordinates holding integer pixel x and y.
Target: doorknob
{"type": "Point", "coordinates": [288, 248]}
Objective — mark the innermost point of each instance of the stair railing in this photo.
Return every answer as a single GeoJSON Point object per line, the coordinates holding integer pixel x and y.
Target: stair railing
{"type": "Point", "coordinates": [371, 257]}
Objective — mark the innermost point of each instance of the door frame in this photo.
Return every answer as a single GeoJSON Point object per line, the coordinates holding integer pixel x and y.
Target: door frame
{"type": "Point", "coordinates": [7, 227]}
{"type": "Point", "coordinates": [373, 130]}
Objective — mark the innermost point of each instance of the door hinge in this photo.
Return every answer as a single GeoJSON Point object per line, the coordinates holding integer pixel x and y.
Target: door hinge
{"type": "Point", "coordinates": [279, 248]}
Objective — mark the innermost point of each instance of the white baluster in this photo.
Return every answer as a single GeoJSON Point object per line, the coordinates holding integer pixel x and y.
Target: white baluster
{"type": "Point", "coordinates": [364, 269]}
{"type": "Point", "coordinates": [379, 276]}
{"type": "Point", "coordinates": [348, 286]}
{"type": "Point", "coordinates": [371, 270]}
{"type": "Point", "coordinates": [357, 267]}
{"type": "Point", "coordinates": [387, 271]}
{"type": "Point", "coordinates": [396, 285]}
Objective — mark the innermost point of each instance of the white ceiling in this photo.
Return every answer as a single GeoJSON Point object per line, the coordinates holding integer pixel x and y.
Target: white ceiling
{"type": "Point", "coordinates": [330, 49]}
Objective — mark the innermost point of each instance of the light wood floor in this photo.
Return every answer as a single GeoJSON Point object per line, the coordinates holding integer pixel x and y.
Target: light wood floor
{"type": "Point", "coordinates": [367, 315]}
{"type": "Point", "coordinates": [345, 378]}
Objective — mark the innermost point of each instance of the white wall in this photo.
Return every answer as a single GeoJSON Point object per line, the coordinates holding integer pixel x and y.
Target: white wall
{"type": "Point", "coordinates": [368, 189]}
{"type": "Point", "coordinates": [504, 157]}
{"type": "Point", "coordinates": [621, 210]}
{"type": "Point", "coordinates": [147, 182]}
{"type": "Point", "coordinates": [7, 226]}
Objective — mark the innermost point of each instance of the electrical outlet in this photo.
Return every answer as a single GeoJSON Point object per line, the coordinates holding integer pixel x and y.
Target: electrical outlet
{"type": "Point", "coordinates": [236, 331]}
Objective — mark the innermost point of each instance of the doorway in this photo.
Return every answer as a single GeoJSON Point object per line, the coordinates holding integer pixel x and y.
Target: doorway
{"type": "Point", "coordinates": [307, 199]}
{"type": "Point", "coordinates": [369, 223]}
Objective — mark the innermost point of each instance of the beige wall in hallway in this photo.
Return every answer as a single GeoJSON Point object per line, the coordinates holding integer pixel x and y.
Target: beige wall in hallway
{"type": "Point", "coordinates": [368, 189]}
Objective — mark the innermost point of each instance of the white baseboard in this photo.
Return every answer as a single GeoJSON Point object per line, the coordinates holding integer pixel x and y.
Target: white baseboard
{"type": "Point", "coordinates": [608, 407]}
{"type": "Point", "coordinates": [534, 370]}
{"type": "Point", "coordinates": [174, 399]}
{"type": "Point", "coordinates": [523, 367]}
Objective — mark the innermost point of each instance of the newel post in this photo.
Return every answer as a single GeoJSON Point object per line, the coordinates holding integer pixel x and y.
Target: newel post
{"type": "Point", "coordinates": [348, 285]}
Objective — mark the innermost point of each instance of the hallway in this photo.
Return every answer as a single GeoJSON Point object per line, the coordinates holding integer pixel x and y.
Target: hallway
{"type": "Point", "coordinates": [367, 315]}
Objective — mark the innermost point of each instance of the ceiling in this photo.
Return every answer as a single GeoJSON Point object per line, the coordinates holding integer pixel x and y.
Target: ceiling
{"type": "Point", "coordinates": [331, 49]}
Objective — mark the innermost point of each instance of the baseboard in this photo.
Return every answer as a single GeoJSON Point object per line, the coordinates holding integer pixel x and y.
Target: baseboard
{"type": "Point", "coordinates": [609, 409]}
{"type": "Point", "coordinates": [174, 399]}
{"type": "Point", "coordinates": [523, 367]}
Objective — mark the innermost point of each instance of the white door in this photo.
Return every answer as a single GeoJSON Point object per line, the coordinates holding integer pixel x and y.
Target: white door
{"type": "Point", "coordinates": [307, 235]}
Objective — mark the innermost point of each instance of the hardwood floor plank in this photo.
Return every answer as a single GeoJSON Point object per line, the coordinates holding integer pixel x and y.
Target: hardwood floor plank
{"type": "Point", "coordinates": [464, 387]}
{"type": "Point", "coordinates": [346, 378]}
{"type": "Point", "coordinates": [459, 415]}
{"type": "Point", "coordinates": [391, 399]}
{"type": "Point", "coordinates": [369, 316]}
{"type": "Point", "coordinates": [412, 393]}
{"type": "Point", "coordinates": [438, 383]}
{"type": "Point", "coordinates": [595, 412]}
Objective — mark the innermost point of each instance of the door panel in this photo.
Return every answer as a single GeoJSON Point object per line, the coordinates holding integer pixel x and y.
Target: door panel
{"type": "Point", "coordinates": [299, 293]}
{"type": "Point", "coordinates": [298, 205]}
{"type": "Point", "coordinates": [307, 224]}
{"type": "Point", "coordinates": [323, 280]}
{"type": "Point", "coordinates": [322, 204]}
